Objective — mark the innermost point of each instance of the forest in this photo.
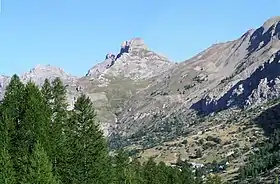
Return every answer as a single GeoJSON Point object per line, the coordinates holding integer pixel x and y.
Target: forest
{"type": "Point", "coordinates": [44, 143]}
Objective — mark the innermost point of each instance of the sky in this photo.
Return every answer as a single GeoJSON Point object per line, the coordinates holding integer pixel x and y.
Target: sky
{"type": "Point", "coordinates": [77, 34]}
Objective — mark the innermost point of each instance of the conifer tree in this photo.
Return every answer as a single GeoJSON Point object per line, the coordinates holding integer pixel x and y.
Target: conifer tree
{"type": "Point", "coordinates": [186, 174]}
{"type": "Point", "coordinates": [88, 162]}
{"type": "Point", "coordinates": [13, 99]}
{"type": "Point", "coordinates": [40, 169]}
{"type": "Point", "coordinates": [121, 167]}
{"type": "Point", "coordinates": [135, 172]}
{"type": "Point", "coordinates": [7, 175]}
{"type": "Point", "coordinates": [149, 171]}
{"type": "Point", "coordinates": [33, 126]}
{"type": "Point", "coordinates": [162, 173]}
{"type": "Point", "coordinates": [11, 117]}
{"type": "Point", "coordinates": [47, 92]}
{"type": "Point", "coordinates": [173, 175]}
{"type": "Point", "coordinates": [35, 116]}
{"type": "Point", "coordinates": [59, 100]}
{"type": "Point", "coordinates": [58, 105]}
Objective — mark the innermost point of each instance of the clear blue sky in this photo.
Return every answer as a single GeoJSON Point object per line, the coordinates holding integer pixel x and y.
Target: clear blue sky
{"type": "Point", "coordinates": [75, 34]}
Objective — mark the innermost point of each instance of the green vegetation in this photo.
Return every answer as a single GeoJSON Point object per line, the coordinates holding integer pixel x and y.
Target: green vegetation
{"type": "Point", "coordinates": [44, 143]}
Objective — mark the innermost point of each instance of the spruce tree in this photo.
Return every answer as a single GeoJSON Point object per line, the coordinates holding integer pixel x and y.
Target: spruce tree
{"type": "Point", "coordinates": [149, 171]}
{"type": "Point", "coordinates": [33, 126]}
{"type": "Point", "coordinates": [40, 169]}
{"type": "Point", "coordinates": [47, 92]}
{"type": "Point", "coordinates": [11, 119]}
{"type": "Point", "coordinates": [187, 175]}
{"type": "Point", "coordinates": [135, 172]}
{"type": "Point", "coordinates": [7, 174]}
{"type": "Point", "coordinates": [59, 100]}
{"type": "Point", "coordinates": [13, 99]}
{"type": "Point", "coordinates": [36, 118]}
{"type": "Point", "coordinates": [121, 167]}
{"type": "Point", "coordinates": [59, 105]}
{"type": "Point", "coordinates": [162, 173]}
{"type": "Point", "coordinates": [88, 162]}
{"type": "Point", "coordinates": [173, 175]}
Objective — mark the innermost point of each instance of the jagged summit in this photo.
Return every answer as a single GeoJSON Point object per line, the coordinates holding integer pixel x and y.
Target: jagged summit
{"type": "Point", "coordinates": [134, 60]}
{"type": "Point", "coordinates": [134, 45]}
{"type": "Point", "coordinates": [271, 22]}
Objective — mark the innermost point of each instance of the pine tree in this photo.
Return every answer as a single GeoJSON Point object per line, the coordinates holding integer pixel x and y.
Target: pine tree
{"type": "Point", "coordinates": [88, 162]}
{"type": "Point", "coordinates": [40, 170]}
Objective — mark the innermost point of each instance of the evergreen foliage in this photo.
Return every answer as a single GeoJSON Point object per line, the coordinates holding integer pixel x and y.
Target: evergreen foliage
{"type": "Point", "coordinates": [40, 170]}
{"type": "Point", "coordinates": [88, 149]}
{"type": "Point", "coordinates": [44, 143]}
{"type": "Point", "coordinates": [7, 174]}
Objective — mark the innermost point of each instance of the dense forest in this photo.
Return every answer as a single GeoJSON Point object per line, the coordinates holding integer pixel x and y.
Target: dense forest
{"type": "Point", "coordinates": [44, 143]}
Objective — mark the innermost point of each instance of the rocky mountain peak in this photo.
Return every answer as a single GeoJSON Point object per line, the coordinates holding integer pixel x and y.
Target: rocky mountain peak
{"type": "Point", "coordinates": [134, 45]}
{"type": "Point", "coordinates": [272, 22]}
{"type": "Point", "coordinates": [134, 59]}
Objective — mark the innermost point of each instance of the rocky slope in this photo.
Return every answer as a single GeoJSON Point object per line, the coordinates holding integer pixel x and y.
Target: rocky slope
{"type": "Point", "coordinates": [147, 102]}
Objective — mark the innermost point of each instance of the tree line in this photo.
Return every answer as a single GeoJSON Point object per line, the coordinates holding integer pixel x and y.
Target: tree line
{"type": "Point", "coordinates": [44, 143]}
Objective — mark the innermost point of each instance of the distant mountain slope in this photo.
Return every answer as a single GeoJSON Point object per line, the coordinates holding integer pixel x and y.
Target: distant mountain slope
{"type": "Point", "coordinates": [260, 50]}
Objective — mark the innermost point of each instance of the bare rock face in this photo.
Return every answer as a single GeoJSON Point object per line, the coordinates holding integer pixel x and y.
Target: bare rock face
{"type": "Point", "coordinates": [254, 78]}
{"type": "Point", "coordinates": [134, 61]}
{"type": "Point", "coordinates": [100, 68]}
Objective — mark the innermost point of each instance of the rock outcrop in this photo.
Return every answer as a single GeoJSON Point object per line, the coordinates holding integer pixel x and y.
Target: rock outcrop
{"type": "Point", "coordinates": [134, 61]}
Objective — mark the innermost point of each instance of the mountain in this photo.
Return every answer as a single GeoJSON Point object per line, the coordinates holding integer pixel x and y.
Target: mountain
{"type": "Point", "coordinates": [134, 61]}
{"type": "Point", "coordinates": [155, 107]}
